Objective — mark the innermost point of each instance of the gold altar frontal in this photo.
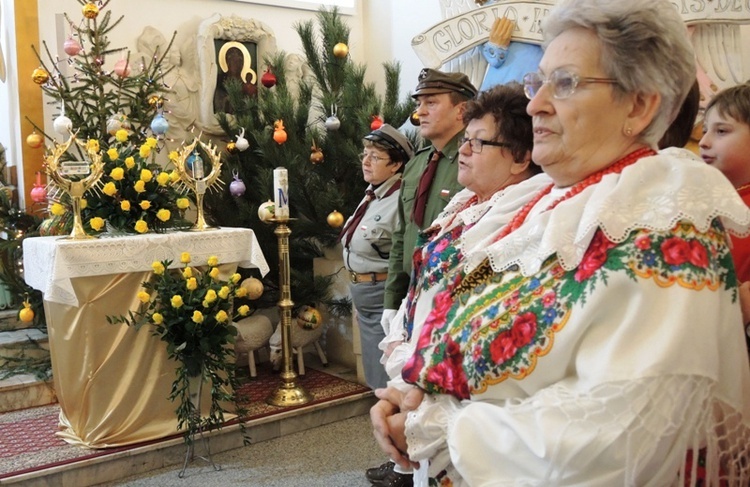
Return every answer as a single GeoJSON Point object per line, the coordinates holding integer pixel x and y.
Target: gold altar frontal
{"type": "Point", "coordinates": [113, 382]}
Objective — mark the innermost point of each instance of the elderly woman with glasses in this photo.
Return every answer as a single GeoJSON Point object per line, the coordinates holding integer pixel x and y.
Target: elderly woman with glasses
{"type": "Point", "coordinates": [493, 155]}
{"type": "Point", "coordinates": [595, 337]}
{"type": "Point", "coordinates": [366, 238]}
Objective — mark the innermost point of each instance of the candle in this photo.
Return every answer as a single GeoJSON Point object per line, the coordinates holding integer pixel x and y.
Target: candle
{"type": "Point", "coordinates": [197, 166]}
{"type": "Point", "coordinates": [281, 193]}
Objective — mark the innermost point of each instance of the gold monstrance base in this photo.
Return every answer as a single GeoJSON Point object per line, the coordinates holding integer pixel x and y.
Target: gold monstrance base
{"type": "Point", "coordinates": [289, 393]}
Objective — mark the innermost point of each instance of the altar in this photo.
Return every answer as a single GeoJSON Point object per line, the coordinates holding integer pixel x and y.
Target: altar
{"type": "Point", "coordinates": [113, 382]}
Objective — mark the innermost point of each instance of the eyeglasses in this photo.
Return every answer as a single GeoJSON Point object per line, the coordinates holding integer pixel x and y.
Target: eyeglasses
{"type": "Point", "coordinates": [372, 156]}
{"type": "Point", "coordinates": [477, 144]}
{"type": "Point", "coordinates": [564, 83]}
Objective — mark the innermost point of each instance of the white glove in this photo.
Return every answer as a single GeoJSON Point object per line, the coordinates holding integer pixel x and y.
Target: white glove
{"type": "Point", "coordinates": [386, 318]}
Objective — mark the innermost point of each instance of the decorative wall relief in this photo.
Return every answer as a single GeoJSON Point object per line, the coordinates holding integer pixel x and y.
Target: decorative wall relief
{"type": "Point", "coordinates": [223, 43]}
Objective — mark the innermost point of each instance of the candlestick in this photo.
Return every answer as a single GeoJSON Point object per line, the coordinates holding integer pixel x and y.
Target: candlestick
{"type": "Point", "coordinates": [281, 193]}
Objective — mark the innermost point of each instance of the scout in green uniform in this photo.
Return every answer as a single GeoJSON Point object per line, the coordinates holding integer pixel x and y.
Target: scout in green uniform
{"type": "Point", "coordinates": [429, 182]}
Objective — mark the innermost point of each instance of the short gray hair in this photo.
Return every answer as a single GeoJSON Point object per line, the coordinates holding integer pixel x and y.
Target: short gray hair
{"type": "Point", "coordinates": [645, 47]}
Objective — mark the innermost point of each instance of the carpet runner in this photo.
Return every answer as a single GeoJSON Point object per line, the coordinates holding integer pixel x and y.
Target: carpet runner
{"type": "Point", "coordinates": [28, 441]}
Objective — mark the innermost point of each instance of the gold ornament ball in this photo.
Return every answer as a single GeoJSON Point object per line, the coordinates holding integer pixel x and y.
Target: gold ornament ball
{"type": "Point", "coordinates": [34, 140]}
{"type": "Point", "coordinates": [267, 211]}
{"type": "Point", "coordinates": [155, 101]}
{"type": "Point", "coordinates": [232, 148]}
{"type": "Point", "coordinates": [26, 314]}
{"type": "Point", "coordinates": [316, 156]}
{"type": "Point", "coordinates": [340, 50]}
{"type": "Point", "coordinates": [40, 76]}
{"type": "Point", "coordinates": [309, 318]}
{"type": "Point", "coordinates": [253, 287]}
{"type": "Point", "coordinates": [335, 219]}
{"type": "Point", "coordinates": [90, 11]}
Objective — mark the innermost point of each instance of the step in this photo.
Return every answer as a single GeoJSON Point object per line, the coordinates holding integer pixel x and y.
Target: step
{"type": "Point", "coordinates": [24, 390]}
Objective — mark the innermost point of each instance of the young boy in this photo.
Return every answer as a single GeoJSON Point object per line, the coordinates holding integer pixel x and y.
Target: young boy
{"type": "Point", "coordinates": [726, 146]}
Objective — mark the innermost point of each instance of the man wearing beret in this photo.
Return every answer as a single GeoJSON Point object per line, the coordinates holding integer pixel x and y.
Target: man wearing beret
{"type": "Point", "coordinates": [429, 181]}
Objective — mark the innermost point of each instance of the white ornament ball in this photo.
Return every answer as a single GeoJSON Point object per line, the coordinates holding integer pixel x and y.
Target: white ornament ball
{"type": "Point", "coordinates": [62, 125]}
{"type": "Point", "coordinates": [267, 211]}
{"type": "Point", "coordinates": [254, 287]}
{"type": "Point", "coordinates": [242, 144]}
{"type": "Point", "coordinates": [333, 123]}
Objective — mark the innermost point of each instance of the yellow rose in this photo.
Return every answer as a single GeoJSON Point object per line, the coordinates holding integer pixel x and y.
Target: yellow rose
{"type": "Point", "coordinates": [121, 135]}
{"type": "Point", "coordinates": [84, 204]}
{"type": "Point", "coordinates": [164, 214]}
{"type": "Point", "coordinates": [174, 176]}
{"type": "Point", "coordinates": [57, 209]}
{"type": "Point", "coordinates": [192, 284]}
{"type": "Point", "coordinates": [92, 145]}
{"type": "Point", "coordinates": [183, 203]}
{"type": "Point", "coordinates": [158, 268]}
{"type": "Point", "coordinates": [139, 186]}
{"type": "Point", "coordinates": [210, 296]}
{"type": "Point", "coordinates": [221, 316]}
{"type": "Point", "coordinates": [145, 151]}
{"type": "Point", "coordinates": [157, 318]}
{"type": "Point", "coordinates": [113, 154]}
{"type": "Point", "coordinates": [129, 162]}
{"type": "Point", "coordinates": [141, 226]}
{"type": "Point", "coordinates": [214, 273]}
{"type": "Point", "coordinates": [144, 296]}
{"type": "Point", "coordinates": [173, 155]}
{"type": "Point", "coordinates": [197, 317]}
{"type": "Point", "coordinates": [224, 292]}
{"type": "Point", "coordinates": [109, 189]}
{"type": "Point", "coordinates": [151, 142]}
{"type": "Point", "coordinates": [117, 173]}
{"type": "Point", "coordinates": [146, 175]}
{"type": "Point", "coordinates": [235, 278]}
{"type": "Point", "coordinates": [125, 205]}
{"type": "Point", "coordinates": [213, 261]}
{"type": "Point", "coordinates": [145, 204]}
{"type": "Point", "coordinates": [176, 301]}
{"type": "Point", "coordinates": [244, 310]}
{"type": "Point", "coordinates": [187, 273]}
{"type": "Point", "coordinates": [96, 223]}
{"type": "Point", "coordinates": [162, 178]}
{"type": "Point", "coordinates": [185, 257]}
{"type": "Point", "coordinates": [240, 292]}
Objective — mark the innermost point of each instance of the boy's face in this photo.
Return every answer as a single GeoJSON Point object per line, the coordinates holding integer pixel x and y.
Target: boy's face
{"type": "Point", "coordinates": [726, 146]}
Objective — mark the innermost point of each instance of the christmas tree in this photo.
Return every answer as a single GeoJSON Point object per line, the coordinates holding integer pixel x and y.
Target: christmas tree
{"type": "Point", "coordinates": [324, 119]}
{"type": "Point", "coordinates": [120, 109]}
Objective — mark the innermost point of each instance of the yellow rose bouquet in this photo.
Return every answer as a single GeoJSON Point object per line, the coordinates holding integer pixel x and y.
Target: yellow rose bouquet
{"type": "Point", "coordinates": [191, 310]}
{"type": "Point", "coordinates": [135, 194]}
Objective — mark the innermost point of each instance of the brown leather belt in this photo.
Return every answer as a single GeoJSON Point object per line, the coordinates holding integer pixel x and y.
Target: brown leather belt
{"type": "Point", "coordinates": [372, 277]}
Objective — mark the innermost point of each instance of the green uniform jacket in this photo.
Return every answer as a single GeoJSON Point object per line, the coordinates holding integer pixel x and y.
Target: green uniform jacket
{"type": "Point", "coordinates": [444, 187]}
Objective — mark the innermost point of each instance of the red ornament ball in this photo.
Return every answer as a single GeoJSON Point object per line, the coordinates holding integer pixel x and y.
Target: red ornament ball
{"type": "Point", "coordinates": [377, 122]}
{"type": "Point", "coordinates": [268, 79]}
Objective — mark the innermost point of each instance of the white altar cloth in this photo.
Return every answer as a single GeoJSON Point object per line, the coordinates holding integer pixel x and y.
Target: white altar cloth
{"type": "Point", "coordinates": [51, 262]}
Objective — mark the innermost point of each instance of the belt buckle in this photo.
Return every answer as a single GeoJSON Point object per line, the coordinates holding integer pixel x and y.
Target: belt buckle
{"type": "Point", "coordinates": [353, 277]}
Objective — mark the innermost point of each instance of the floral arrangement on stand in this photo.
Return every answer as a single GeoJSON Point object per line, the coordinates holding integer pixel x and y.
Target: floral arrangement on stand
{"type": "Point", "coordinates": [191, 310]}
{"type": "Point", "coordinates": [137, 194]}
